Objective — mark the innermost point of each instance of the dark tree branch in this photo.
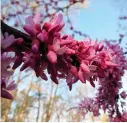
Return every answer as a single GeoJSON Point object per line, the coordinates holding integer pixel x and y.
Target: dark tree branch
{"type": "Point", "coordinates": [15, 32]}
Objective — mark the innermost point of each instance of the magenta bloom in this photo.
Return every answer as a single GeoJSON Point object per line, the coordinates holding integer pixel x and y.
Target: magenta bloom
{"type": "Point", "coordinates": [31, 25]}
{"type": "Point", "coordinates": [66, 58]}
{"type": "Point", "coordinates": [113, 64]}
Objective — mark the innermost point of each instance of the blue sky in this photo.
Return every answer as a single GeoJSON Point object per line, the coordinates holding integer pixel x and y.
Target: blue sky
{"type": "Point", "coordinates": [99, 19]}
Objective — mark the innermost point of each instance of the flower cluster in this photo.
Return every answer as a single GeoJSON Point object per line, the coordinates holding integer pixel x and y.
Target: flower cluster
{"type": "Point", "coordinates": [108, 92]}
{"type": "Point", "coordinates": [63, 56]}
{"type": "Point", "coordinates": [88, 104]}
{"type": "Point", "coordinates": [66, 58]}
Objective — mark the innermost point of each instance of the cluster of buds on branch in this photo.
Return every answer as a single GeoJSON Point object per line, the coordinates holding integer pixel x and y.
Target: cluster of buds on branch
{"type": "Point", "coordinates": [45, 48]}
{"type": "Point", "coordinates": [109, 94]}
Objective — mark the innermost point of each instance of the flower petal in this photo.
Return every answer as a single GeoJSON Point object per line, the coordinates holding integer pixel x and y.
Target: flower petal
{"type": "Point", "coordinates": [30, 30]}
{"type": "Point", "coordinates": [110, 64]}
{"type": "Point", "coordinates": [42, 36]}
{"type": "Point", "coordinates": [65, 42]}
{"type": "Point", "coordinates": [36, 18]}
{"type": "Point", "coordinates": [61, 50]}
{"type": "Point", "coordinates": [74, 71]}
{"type": "Point", "coordinates": [53, 29]}
{"type": "Point", "coordinates": [85, 68]}
{"type": "Point", "coordinates": [56, 44]}
{"type": "Point", "coordinates": [59, 19]}
{"type": "Point", "coordinates": [81, 76]}
{"type": "Point", "coordinates": [29, 20]}
{"type": "Point", "coordinates": [52, 57]}
{"type": "Point", "coordinates": [92, 67]}
{"type": "Point", "coordinates": [70, 51]}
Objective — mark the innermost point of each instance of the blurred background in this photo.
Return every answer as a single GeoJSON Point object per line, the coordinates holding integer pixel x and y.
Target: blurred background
{"type": "Point", "coordinates": [39, 100]}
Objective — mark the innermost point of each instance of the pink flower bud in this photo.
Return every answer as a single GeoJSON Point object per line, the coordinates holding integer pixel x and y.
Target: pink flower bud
{"type": "Point", "coordinates": [43, 36]}
{"type": "Point", "coordinates": [52, 57]}
{"type": "Point", "coordinates": [69, 51]}
{"type": "Point", "coordinates": [110, 64]}
{"type": "Point", "coordinates": [30, 30]}
{"type": "Point", "coordinates": [101, 46]}
{"type": "Point", "coordinates": [46, 26]}
{"type": "Point", "coordinates": [74, 71]}
{"type": "Point", "coordinates": [53, 29]}
{"type": "Point", "coordinates": [81, 76]}
{"type": "Point", "coordinates": [65, 42]}
{"type": "Point", "coordinates": [85, 68]}
{"type": "Point", "coordinates": [56, 44]}
{"type": "Point", "coordinates": [35, 45]}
